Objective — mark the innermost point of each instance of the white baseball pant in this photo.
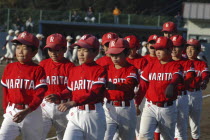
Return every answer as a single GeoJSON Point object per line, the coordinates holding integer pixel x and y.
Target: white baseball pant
{"type": "Point", "coordinates": [31, 127]}
{"type": "Point", "coordinates": [52, 116]}
{"type": "Point", "coordinates": [86, 124]}
{"type": "Point", "coordinates": [182, 117]}
{"type": "Point", "coordinates": [138, 118]}
{"type": "Point", "coordinates": [163, 117]}
{"type": "Point", "coordinates": [195, 108]}
{"type": "Point", "coordinates": [121, 120]}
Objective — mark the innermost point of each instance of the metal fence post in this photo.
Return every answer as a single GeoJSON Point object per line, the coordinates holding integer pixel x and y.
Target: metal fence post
{"type": "Point", "coordinates": [158, 24]}
{"type": "Point", "coordinates": [99, 18]}
{"type": "Point", "coordinates": [129, 19]}
{"type": "Point", "coordinates": [69, 16]}
{"type": "Point", "coordinates": [8, 16]}
{"type": "Point", "coordinates": [40, 15]}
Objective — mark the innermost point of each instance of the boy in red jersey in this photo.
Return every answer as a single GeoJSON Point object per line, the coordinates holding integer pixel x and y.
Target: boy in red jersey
{"type": "Point", "coordinates": [169, 29]}
{"type": "Point", "coordinates": [57, 68]}
{"type": "Point", "coordinates": [24, 86]}
{"type": "Point", "coordinates": [140, 63]}
{"type": "Point", "coordinates": [158, 82]}
{"type": "Point", "coordinates": [123, 77]}
{"type": "Point", "coordinates": [106, 38]}
{"type": "Point", "coordinates": [195, 88]}
{"type": "Point", "coordinates": [86, 84]}
{"type": "Point", "coordinates": [151, 56]}
{"type": "Point", "coordinates": [135, 59]}
{"type": "Point", "coordinates": [182, 99]}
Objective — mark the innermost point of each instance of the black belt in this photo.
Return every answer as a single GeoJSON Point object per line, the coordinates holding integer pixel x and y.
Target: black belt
{"type": "Point", "coordinates": [162, 104]}
{"type": "Point", "coordinates": [119, 103]}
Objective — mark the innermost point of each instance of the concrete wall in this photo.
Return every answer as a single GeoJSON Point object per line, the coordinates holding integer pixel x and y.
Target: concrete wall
{"type": "Point", "coordinates": [198, 29]}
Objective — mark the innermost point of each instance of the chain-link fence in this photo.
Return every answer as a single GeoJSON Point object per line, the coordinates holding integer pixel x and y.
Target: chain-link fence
{"type": "Point", "coordinates": [16, 18]}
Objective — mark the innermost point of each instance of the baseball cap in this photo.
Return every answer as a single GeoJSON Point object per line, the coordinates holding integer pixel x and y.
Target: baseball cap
{"type": "Point", "coordinates": [40, 35]}
{"type": "Point", "coordinates": [133, 41]}
{"type": "Point", "coordinates": [108, 37]}
{"type": "Point", "coordinates": [55, 41]}
{"type": "Point", "coordinates": [87, 41]}
{"type": "Point", "coordinates": [27, 39]}
{"type": "Point", "coordinates": [152, 38]}
{"type": "Point", "coordinates": [117, 45]}
{"type": "Point", "coordinates": [68, 37]}
{"type": "Point", "coordinates": [163, 43]}
{"type": "Point", "coordinates": [178, 40]}
{"type": "Point", "coordinates": [169, 27]}
{"type": "Point", "coordinates": [10, 31]}
{"type": "Point", "coordinates": [17, 31]}
{"type": "Point", "coordinates": [194, 42]}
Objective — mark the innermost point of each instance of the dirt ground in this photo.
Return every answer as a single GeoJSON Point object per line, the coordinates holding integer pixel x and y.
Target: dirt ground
{"type": "Point", "coordinates": [205, 120]}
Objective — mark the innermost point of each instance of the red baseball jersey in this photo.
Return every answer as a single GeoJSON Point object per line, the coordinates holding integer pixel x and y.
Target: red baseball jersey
{"type": "Point", "coordinates": [159, 77]}
{"type": "Point", "coordinates": [139, 62]}
{"type": "Point", "coordinates": [189, 72]}
{"type": "Point", "coordinates": [103, 61]}
{"type": "Point", "coordinates": [22, 83]}
{"type": "Point", "coordinates": [56, 74]}
{"type": "Point", "coordinates": [125, 79]}
{"type": "Point", "coordinates": [150, 59]}
{"type": "Point", "coordinates": [202, 73]}
{"type": "Point", "coordinates": [87, 83]}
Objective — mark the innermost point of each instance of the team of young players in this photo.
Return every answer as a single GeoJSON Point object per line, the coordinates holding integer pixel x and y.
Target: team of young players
{"type": "Point", "coordinates": [100, 100]}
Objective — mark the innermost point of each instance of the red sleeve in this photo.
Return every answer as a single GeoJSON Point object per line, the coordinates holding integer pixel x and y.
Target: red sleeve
{"type": "Point", "coordinates": [65, 94]}
{"type": "Point", "coordinates": [97, 91]}
{"type": "Point", "coordinates": [5, 100]}
{"type": "Point", "coordinates": [205, 73]}
{"type": "Point", "coordinates": [40, 88]}
{"type": "Point", "coordinates": [143, 86]}
{"type": "Point", "coordinates": [143, 65]}
{"type": "Point", "coordinates": [38, 97]}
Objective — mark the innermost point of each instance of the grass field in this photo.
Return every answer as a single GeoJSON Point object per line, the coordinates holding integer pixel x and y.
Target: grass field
{"type": "Point", "coordinates": [205, 120]}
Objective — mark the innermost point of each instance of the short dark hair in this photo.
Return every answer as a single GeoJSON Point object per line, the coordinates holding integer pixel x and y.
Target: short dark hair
{"type": "Point", "coordinates": [33, 48]}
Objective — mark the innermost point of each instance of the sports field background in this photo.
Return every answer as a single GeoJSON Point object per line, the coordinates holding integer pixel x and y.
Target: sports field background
{"type": "Point", "coordinates": [205, 120]}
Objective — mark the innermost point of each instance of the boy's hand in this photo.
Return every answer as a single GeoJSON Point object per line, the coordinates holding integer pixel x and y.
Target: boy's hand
{"type": "Point", "coordinates": [65, 106]}
{"type": "Point", "coordinates": [203, 85]}
{"type": "Point", "coordinates": [52, 98]}
{"type": "Point", "coordinates": [111, 86]}
{"type": "Point", "coordinates": [138, 111]}
{"type": "Point", "coordinates": [169, 92]}
{"type": "Point", "coordinates": [21, 115]}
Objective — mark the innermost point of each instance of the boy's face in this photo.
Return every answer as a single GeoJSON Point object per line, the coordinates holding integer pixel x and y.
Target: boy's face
{"type": "Point", "coordinates": [106, 47]}
{"type": "Point", "coordinates": [192, 52]}
{"type": "Point", "coordinates": [151, 50]}
{"type": "Point", "coordinates": [86, 55]}
{"type": "Point", "coordinates": [56, 55]}
{"type": "Point", "coordinates": [163, 54]}
{"type": "Point", "coordinates": [118, 59]}
{"type": "Point", "coordinates": [168, 34]}
{"type": "Point", "coordinates": [133, 51]}
{"type": "Point", "coordinates": [24, 54]}
{"type": "Point", "coordinates": [176, 51]}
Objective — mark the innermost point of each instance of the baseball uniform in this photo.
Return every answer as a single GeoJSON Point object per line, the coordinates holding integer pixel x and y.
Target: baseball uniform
{"type": "Point", "coordinates": [156, 77]}
{"type": "Point", "coordinates": [10, 49]}
{"type": "Point", "coordinates": [182, 100]}
{"type": "Point", "coordinates": [103, 61]}
{"type": "Point", "coordinates": [195, 96]}
{"type": "Point", "coordinates": [106, 38]}
{"type": "Point", "coordinates": [120, 109]}
{"type": "Point", "coordinates": [149, 58]}
{"type": "Point", "coordinates": [56, 79]}
{"type": "Point", "coordinates": [87, 120]}
{"type": "Point", "coordinates": [139, 62]}
{"type": "Point", "coordinates": [24, 86]}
